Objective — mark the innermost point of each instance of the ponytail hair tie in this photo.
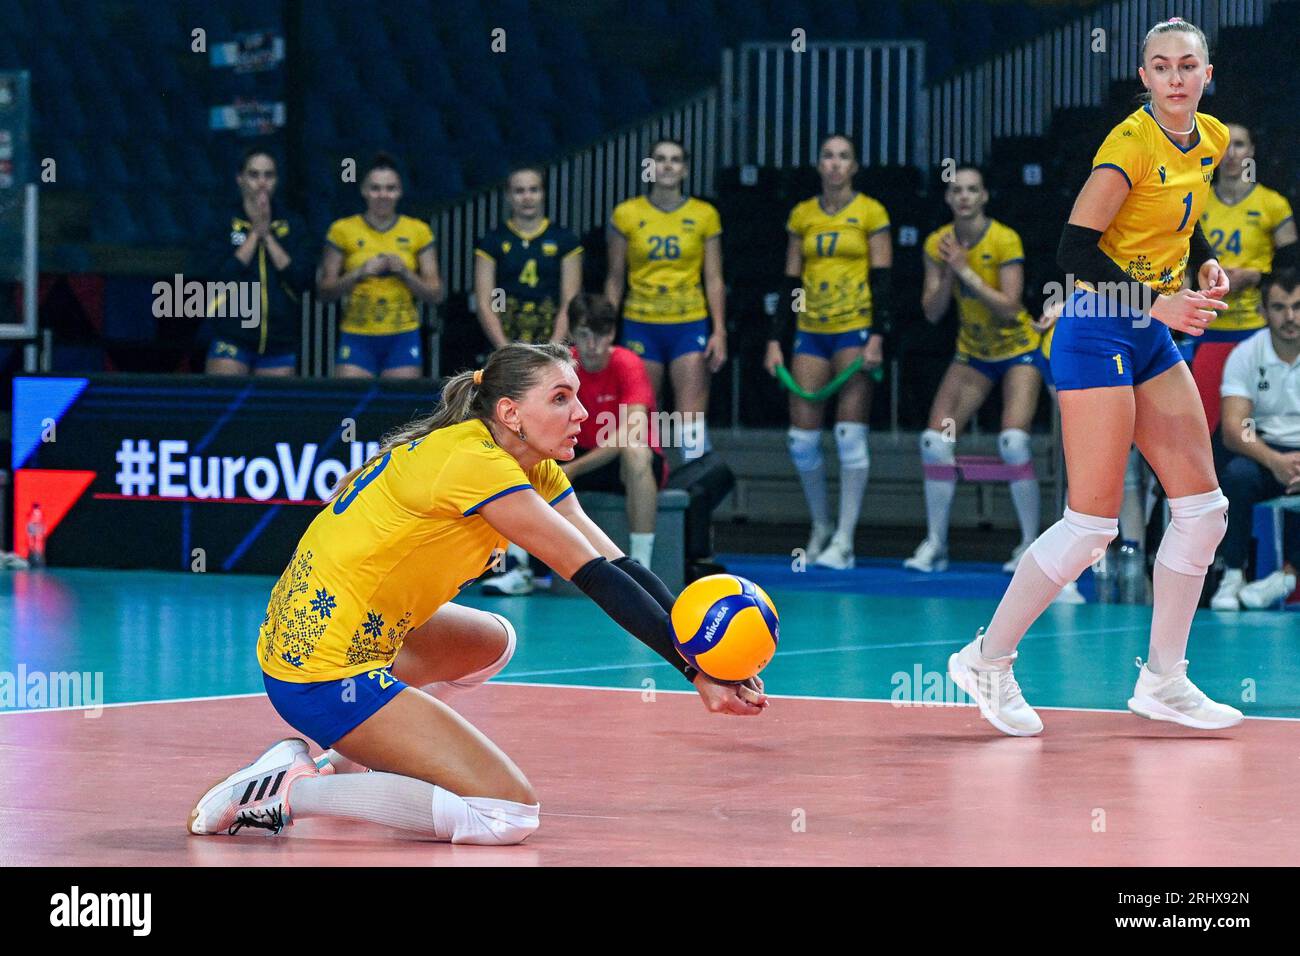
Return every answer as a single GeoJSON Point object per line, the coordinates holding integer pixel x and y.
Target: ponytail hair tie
{"type": "Point", "coordinates": [478, 376]}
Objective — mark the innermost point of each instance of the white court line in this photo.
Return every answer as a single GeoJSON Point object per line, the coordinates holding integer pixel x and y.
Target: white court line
{"type": "Point", "coordinates": [132, 703]}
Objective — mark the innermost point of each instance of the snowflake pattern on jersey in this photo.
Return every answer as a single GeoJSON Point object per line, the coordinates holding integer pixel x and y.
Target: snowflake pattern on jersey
{"type": "Point", "coordinates": [370, 643]}
{"type": "Point", "coordinates": [291, 630]}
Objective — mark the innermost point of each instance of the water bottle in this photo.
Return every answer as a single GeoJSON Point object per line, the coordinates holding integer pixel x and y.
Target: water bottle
{"type": "Point", "coordinates": [1132, 574]}
{"type": "Point", "coordinates": [36, 537]}
{"type": "Point", "coordinates": [1105, 578]}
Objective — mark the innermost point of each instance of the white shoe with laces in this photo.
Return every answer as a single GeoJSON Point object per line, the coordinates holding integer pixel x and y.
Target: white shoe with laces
{"type": "Point", "coordinates": [256, 796]}
{"type": "Point", "coordinates": [818, 539]}
{"type": "Point", "coordinates": [1267, 591]}
{"type": "Point", "coordinates": [994, 688]}
{"type": "Point", "coordinates": [1173, 697]}
{"type": "Point", "coordinates": [837, 556]}
{"type": "Point", "coordinates": [1227, 597]}
{"type": "Point", "coordinates": [929, 557]}
{"type": "Point", "coordinates": [1014, 561]}
{"type": "Point", "coordinates": [514, 583]}
{"type": "Point", "coordinates": [1070, 595]}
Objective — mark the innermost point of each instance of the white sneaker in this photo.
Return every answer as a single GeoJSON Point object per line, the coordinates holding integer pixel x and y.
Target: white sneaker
{"type": "Point", "coordinates": [516, 581]}
{"type": "Point", "coordinates": [993, 686]}
{"type": "Point", "coordinates": [256, 795]}
{"type": "Point", "coordinates": [1230, 587]}
{"type": "Point", "coordinates": [838, 555]}
{"type": "Point", "coordinates": [1267, 591]}
{"type": "Point", "coordinates": [929, 557]}
{"type": "Point", "coordinates": [1070, 595]}
{"type": "Point", "coordinates": [818, 539]}
{"type": "Point", "coordinates": [1014, 561]}
{"type": "Point", "coordinates": [1175, 698]}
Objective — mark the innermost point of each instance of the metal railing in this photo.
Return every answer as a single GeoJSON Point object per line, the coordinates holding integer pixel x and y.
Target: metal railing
{"type": "Point", "coordinates": [1015, 93]}
{"type": "Point", "coordinates": [585, 185]}
{"type": "Point", "coordinates": [780, 102]}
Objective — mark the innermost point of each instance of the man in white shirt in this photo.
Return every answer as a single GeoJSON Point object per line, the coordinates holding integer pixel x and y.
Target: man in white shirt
{"type": "Point", "coordinates": [1261, 428]}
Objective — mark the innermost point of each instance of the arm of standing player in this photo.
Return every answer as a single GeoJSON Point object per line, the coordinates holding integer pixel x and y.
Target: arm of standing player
{"type": "Point", "coordinates": [570, 285]}
{"type": "Point", "coordinates": [424, 282]}
{"type": "Point", "coordinates": [616, 249]}
{"type": "Point", "coordinates": [880, 246]}
{"type": "Point", "coordinates": [936, 289]}
{"type": "Point", "coordinates": [485, 282]}
{"type": "Point", "coordinates": [1284, 246]}
{"type": "Point", "coordinates": [334, 283]}
{"type": "Point", "coordinates": [785, 309]}
{"type": "Point", "coordinates": [715, 290]}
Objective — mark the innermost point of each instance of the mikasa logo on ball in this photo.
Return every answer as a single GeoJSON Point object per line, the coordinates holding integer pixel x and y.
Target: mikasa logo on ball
{"type": "Point", "coordinates": [715, 624]}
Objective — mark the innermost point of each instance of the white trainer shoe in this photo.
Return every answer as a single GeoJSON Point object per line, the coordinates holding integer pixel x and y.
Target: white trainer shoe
{"type": "Point", "coordinates": [1227, 597]}
{"type": "Point", "coordinates": [818, 539]}
{"type": "Point", "coordinates": [837, 556]}
{"type": "Point", "coordinates": [929, 557]}
{"type": "Point", "coordinates": [1173, 697]}
{"type": "Point", "coordinates": [1014, 561]}
{"type": "Point", "coordinates": [257, 795]}
{"type": "Point", "coordinates": [515, 582]}
{"type": "Point", "coordinates": [1267, 591]}
{"type": "Point", "coordinates": [993, 686]}
{"type": "Point", "coordinates": [1070, 595]}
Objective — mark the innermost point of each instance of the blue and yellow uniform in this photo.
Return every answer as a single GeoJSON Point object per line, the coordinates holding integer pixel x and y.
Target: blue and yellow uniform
{"type": "Point", "coordinates": [1097, 343]}
{"type": "Point", "coordinates": [528, 271]}
{"type": "Point", "coordinates": [1241, 235]}
{"type": "Point", "coordinates": [984, 342]}
{"type": "Point", "coordinates": [836, 273]}
{"type": "Point", "coordinates": [381, 321]}
{"type": "Point", "coordinates": [401, 541]}
{"type": "Point", "coordinates": [665, 314]}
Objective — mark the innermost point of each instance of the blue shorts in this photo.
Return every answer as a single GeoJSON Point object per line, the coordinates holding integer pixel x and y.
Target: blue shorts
{"type": "Point", "coordinates": [328, 710]}
{"type": "Point", "coordinates": [222, 348]}
{"type": "Point", "coordinates": [994, 371]}
{"type": "Point", "coordinates": [826, 344]}
{"type": "Point", "coordinates": [663, 342]}
{"type": "Point", "coordinates": [1094, 349]}
{"type": "Point", "coordinates": [378, 353]}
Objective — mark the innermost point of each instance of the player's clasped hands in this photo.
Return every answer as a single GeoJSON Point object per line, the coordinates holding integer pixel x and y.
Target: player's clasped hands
{"type": "Point", "coordinates": [726, 698]}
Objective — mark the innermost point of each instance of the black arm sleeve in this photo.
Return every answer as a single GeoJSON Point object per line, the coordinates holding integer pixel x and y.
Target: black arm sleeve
{"type": "Point", "coordinates": [1079, 256]}
{"type": "Point", "coordinates": [632, 609]}
{"type": "Point", "coordinates": [643, 576]}
{"type": "Point", "coordinates": [1199, 250]}
{"type": "Point", "coordinates": [1288, 257]}
{"type": "Point", "coordinates": [783, 318]}
{"type": "Point", "coordinates": [882, 318]}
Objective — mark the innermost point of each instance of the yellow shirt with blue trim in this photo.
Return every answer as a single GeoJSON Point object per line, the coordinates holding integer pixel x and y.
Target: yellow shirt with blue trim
{"type": "Point", "coordinates": [982, 335]}
{"type": "Point", "coordinates": [1241, 235]}
{"type": "Point", "coordinates": [665, 258]}
{"type": "Point", "coordinates": [836, 262]}
{"type": "Point", "coordinates": [379, 305]}
{"type": "Point", "coordinates": [400, 542]}
{"type": "Point", "coordinates": [1168, 188]}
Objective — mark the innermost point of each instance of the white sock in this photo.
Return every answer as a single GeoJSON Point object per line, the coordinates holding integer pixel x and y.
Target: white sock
{"type": "Point", "coordinates": [853, 485]}
{"type": "Point", "coordinates": [340, 763]}
{"type": "Point", "coordinates": [642, 546]}
{"type": "Point", "coordinates": [938, 506]}
{"type": "Point", "coordinates": [1028, 596]}
{"type": "Point", "coordinates": [1176, 597]}
{"type": "Point", "coordinates": [405, 803]}
{"type": "Point", "coordinates": [814, 490]}
{"type": "Point", "coordinates": [1025, 497]}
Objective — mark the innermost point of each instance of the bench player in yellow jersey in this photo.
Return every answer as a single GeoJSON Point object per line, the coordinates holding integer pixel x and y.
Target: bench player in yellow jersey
{"type": "Point", "coordinates": [979, 263]}
{"type": "Point", "coordinates": [838, 259]}
{"type": "Point", "coordinates": [668, 247]}
{"type": "Point", "coordinates": [363, 615]}
{"type": "Point", "coordinates": [382, 263]}
{"type": "Point", "coordinates": [1132, 234]}
{"type": "Point", "coordinates": [1249, 227]}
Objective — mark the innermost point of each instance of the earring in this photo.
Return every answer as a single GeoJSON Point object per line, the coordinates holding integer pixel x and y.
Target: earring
{"type": "Point", "coordinates": [520, 433]}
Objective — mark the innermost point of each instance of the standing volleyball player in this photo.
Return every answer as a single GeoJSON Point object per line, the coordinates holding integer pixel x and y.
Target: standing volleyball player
{"type": "Point", "coordinates": [383, 263]}
{"type": "Point", "coordinates": [1250, 228]}
{"type": "Point", "coordinates": [1133, 232]}
{"type": "Point", "coordinates": [979, 263]}
{"type": "Point", "coordinates": [363, 616]}
{"type": "Point", "coordinates": [837, 267]}
{"type": "Point", "coordinates": [668, 247]}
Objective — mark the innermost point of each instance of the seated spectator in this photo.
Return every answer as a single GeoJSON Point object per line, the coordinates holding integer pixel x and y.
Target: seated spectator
{"type": "Point", "coordinates": [256, 245]}
{"type": "Point", "coordinates": [1261, 428]}
{"type": "Point", "coordinates": [618, 449]}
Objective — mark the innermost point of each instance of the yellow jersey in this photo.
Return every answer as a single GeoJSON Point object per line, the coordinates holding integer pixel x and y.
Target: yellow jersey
{"type": "Point", "coordinates": [379, 305]}
{"type": "Point", "coordinates": [981, 334]}
{"type": "Point", "coordinates": [836, 262]}
{"type": "Point", "coordinates": [1241, 235]}
{"type": "Point", "coordinates": [1168, 188]}
{"type": "Point", "coordinates": [665, 258]}
{"type": "Point", "coordinates": [399, 543]}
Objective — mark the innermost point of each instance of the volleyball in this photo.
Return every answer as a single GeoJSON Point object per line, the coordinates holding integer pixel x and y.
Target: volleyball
{"type": "Point", "coordinates": [726, 627]}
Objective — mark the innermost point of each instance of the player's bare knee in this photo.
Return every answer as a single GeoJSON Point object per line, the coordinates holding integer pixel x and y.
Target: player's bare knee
{"type": "Point", "coordinates": [508, 641]}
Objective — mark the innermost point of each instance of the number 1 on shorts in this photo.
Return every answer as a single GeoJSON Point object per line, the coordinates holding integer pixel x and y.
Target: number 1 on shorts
{"type": "Point", "coordinates": [1119, 363]}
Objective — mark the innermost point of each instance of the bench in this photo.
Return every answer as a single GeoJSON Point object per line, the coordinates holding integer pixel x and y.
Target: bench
{"type": "Point", "coordinates": [609, 511]}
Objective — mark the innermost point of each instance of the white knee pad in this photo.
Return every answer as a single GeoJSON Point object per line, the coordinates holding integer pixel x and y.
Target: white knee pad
{"type": "Point", "coordinates": [479, 677]}
{"type": "Point", "coordinates": [481, 821]}
{"type": "Point", "coordinates": [936, 449]}
{"type": "Point", "coordinates": [1073, 543]}
{"type": "Point", "coordinates": [851, 443]}
{"type": "Point", "coordinates": [1197, 526]}
{"type": "Point", "coordinates": [1014, 447]}
{"type": "Point", "coordinates": [805, 448]}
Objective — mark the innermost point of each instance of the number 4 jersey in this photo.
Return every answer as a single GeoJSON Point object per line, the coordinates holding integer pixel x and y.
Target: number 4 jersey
{"type": "Point", "coordinates": [399, 543]}
{"type": "Point", "coordinates": [528, 271]}
{"type": "Point", "coordinates": [1242, 238]}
